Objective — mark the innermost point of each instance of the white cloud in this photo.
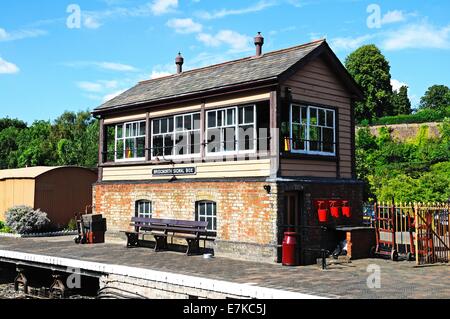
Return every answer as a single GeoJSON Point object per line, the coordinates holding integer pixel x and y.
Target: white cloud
{"type": "Point", "coordinates": [98, 86]}
{"type": "Point", "coordinates": [396, 84]}
{"type": "Point", "coordinates": [112, 95]}
{"type": "Point", "coordinates": [348, 43]}
{"type": "Point", "coordinates": [184, 25]}
{"type": "Point", "coordinates": [8, 67]}
{"type": "Point", "coordinates": [159, 74]}
{"type": "Point", "coordinates": [259, 6]}
{"type": "Point", "coordinates": [418, 36]}
{"type": "Point", "coordinates": [159, 7]}
{"type": "Point", "coordinates": [110, 66]}
{"type": "Point", "coordinates": [91, 22]}
{"type": "Point", "coordinates": [237, 42]}
{"type": "Point", "coordinates": [393, 17]}
{"type": "Point", "coordinates": [116, 67]}
{"type": "Point", "coordinates": [20, 34]}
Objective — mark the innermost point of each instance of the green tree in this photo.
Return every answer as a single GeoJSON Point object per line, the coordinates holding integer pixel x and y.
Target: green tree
{"type": "Point", "coordinates": [436, 97]}
{"type": "Point", "coordinates": [35, 148]}
{"type": "Point", "coordinates": [400, 101]}
{"type": "Point", "coordinates": [8, 147]}
{"type": "Point", "coordinates": [371, 71]}
{"type": "Point", "coordinates": [76, 138]}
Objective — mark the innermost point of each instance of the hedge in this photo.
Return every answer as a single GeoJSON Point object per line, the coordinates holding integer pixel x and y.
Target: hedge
{"type": "Point", "coordinates": [422, 116]}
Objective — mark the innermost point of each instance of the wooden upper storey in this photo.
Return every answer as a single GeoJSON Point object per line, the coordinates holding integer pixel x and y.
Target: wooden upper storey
{"type": "Point", "coordinates": [299, 125]}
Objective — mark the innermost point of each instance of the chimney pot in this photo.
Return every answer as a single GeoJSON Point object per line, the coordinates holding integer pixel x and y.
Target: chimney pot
{"type": "Point", "coordinates": [179, 61]}
{"type": "Point", "coordinates": [259, 42]}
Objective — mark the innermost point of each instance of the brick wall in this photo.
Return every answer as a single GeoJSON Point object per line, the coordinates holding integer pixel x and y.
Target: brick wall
{"type": "Point", "coordinates": [246, 213]}
{"type": "Point", "coordinates": [312, 239]}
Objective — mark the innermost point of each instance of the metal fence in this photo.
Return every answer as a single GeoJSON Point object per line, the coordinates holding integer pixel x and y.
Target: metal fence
{"type": "Point", "coordinates": [419, 231]}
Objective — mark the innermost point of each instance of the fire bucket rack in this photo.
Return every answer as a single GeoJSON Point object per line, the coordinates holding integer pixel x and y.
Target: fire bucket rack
{"type": "Point", "coordinates": [334, 208]}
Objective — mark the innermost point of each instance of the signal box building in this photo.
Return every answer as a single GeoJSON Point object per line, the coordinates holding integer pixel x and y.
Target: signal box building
{"type": "Point", "coordinates": [254, 146]}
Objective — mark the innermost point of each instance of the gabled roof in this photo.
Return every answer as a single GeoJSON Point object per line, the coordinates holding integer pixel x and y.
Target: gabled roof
{"type": "Point", "coordinates": [253, 70]}
{"type": "Point", "coordinates": [28, 172]}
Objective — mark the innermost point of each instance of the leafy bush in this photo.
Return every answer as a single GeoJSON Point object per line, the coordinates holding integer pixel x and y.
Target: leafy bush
{"type": "Point", "coordinates": [422, 116]}
{"type": "Point", "coordinates": [72, 225]}
{"type": "Point", "coordinates": [4, 228]}
{"type": "Point", "coordinates": [24, 220]}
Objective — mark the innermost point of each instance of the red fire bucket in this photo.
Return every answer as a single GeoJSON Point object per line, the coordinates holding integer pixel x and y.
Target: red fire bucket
{"type": "Point", "coordinates": [322, 212]}
{"type": "Point", "coordinates": [346, 211]}
{"type": "Point", "coordinates": [334, 209]}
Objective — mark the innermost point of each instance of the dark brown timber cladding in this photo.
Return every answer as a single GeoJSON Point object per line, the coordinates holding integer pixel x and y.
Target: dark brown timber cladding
{"type": "Point", "coordinates": [318, 85]}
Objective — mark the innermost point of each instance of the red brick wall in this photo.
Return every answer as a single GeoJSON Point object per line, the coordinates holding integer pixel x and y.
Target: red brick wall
{"type": "Point", "coordinates": [245, 212]}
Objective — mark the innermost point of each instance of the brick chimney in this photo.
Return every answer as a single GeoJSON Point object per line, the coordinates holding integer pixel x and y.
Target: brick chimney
{"type": "Point", "coordinates": [259, 42]}
{"type": "Point", "coordinates": [179, 61]}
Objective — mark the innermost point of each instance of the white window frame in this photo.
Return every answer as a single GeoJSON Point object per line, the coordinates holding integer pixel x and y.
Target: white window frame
{"type": "Point", "coordinates": [138, 212]}
{"type": "Point", "coordinates": [236, 126]}
{"type": "Point", "coordinates": [124, 138]}
{"type": "Point", "coordinates": [308, 125]}
{"type": "Point", "coordinates": [174, 134]}
{"type": "Point", "coordinates": [205, 216]}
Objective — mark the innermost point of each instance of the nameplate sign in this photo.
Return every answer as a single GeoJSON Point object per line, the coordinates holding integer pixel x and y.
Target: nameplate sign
{"type": "Point", "coordinates": [175, 171]}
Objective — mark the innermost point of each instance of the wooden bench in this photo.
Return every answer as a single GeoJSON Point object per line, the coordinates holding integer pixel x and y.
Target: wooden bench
{"type": "Point", "coordinates": [161, 229]}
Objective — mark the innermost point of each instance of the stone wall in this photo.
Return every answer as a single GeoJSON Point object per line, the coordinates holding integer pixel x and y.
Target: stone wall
{"type": "Point", "coordinates": [246, 213]}
{"type": "Point", "coordinates": [405, 132]}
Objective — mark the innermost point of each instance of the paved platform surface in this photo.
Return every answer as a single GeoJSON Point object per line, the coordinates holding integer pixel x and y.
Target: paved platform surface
{"type": "Point", "coordinates": [344, 280]}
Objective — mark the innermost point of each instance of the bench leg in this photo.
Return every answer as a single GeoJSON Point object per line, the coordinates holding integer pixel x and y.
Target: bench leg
{"type": "Point", "coordinates": [161, 243]}
{"type": "Point", "coordinates": [193, 246]}
{"type": "Point", "coordinates": [132, 240]}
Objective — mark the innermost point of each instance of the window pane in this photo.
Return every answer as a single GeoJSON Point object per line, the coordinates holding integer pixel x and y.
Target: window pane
{"type": "Point", "coordinates": [229, 139]}
{"type": "Point", "coordinates": [140, 146]}
{"type": "Point", "coordinates": [128, 130]}
{"type": "Point", "coordinates": [181, 144]}
{"type": "Point", "coordinates": [170, 125]}
{"type": "Point", "coordinates": [130, 148]}
{"type": "Point", "coordinates": [249, 114]}
{"type": "Point", "coordinates": [196, 121]}
{"type": "Point", "coordinates": [194, 142]}
{"type": "Point", "coordinates": [315, 138]}
{"type": "Point", "coordinates": [296, 114]}
{"type": "Point", "coordinates": [164, 126]}
{"type": "Point", "coordinates": [304, 115]}
{"type": "Point", "coordinates": [168, 144]}
{"type": "Point", "coordinates": [213, 140]}
{"type": "Point", "coordinates": [231, 120]}
{"type": "Point", "coordinates": [328, 139]}
{"type": "Point", "coordinates": [246, 138]}
{"type": "Point", "coordinates": [119, 149]}
{"type": "Point", "coordinates": [119, 131]}
{"type": "Point", "coordinates": [313, 116]}
{"type": "Point", "coordinates": [158, 145]}
{"type": "Point", "coordinates": [142, 127]}
{"type": "Point", "coordinates": [330, 119]}
{"type": "Point", "coordinates": [156, 126]}
{"type": "Point", "coordinates": [211, 119]}
{"type": "Point", "coordinates": [188, 122]}
{"type": "Point", "coordinates": [241, 116]}
{"type": "Point", "coordinates": [179, 123]}
{"type": "Point", "coordinates": [220, 115]}
{"type": "Point", "coordinates": [297, 137]}
{"type": "Point", "coordinates": [322, 121]}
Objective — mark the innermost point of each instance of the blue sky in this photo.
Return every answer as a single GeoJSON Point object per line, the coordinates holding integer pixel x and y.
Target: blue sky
{"type": "Point", "coordinates": [47, 67]}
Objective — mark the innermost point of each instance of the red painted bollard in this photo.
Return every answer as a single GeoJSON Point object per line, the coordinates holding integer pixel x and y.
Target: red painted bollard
{"type": "Point", "coordinates": [289, 249]}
